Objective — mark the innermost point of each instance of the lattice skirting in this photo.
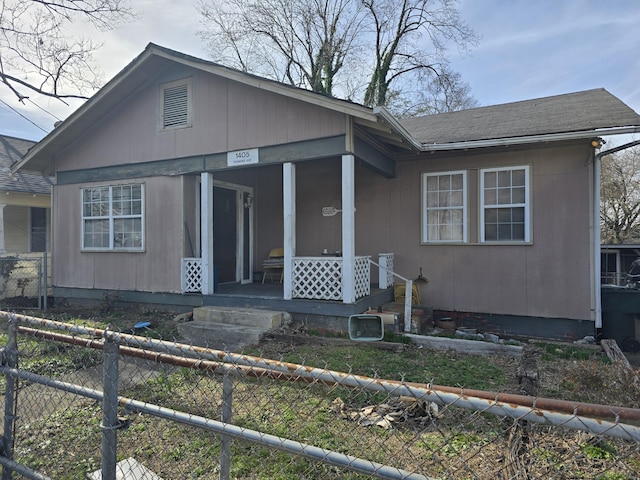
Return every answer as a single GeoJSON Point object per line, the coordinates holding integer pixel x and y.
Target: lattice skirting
{"type": "Point", "coordinates": [191, 275]}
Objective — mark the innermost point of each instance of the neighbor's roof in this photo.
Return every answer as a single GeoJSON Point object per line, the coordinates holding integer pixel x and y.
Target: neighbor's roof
{"type": "Point", "coordinates": [586, 111]}
{"type": "Point", "coordinates": [12, 150]}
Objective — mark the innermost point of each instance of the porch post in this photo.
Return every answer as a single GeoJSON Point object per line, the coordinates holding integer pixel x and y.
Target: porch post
{"type": "Point", "coordinates": [206, 232]}
{"type": "Point", "coordinates": [289, 219]}
{"type": "Point", "coordinates": [348, 229]}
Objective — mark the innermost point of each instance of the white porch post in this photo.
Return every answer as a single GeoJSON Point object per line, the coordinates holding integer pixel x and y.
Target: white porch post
{"type": "Point", "coordinates": [348, 229]}
{"type": "Point", "coordinates": [206, 232]}
{"type": "Point", "coordinates": [289, 215]}
{"type": "Point", "coordinates": [2, 245]}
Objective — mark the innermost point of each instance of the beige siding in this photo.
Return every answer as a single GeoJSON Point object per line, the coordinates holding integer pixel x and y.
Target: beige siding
{"type": "Point", "coordinates": [16, 229]}
{"type": "Point", "coordinates": [550, 277]}
{"type": "Point", "coordinates": [226, 117]}
{"type": "Point", "coordinates": [157, 269]}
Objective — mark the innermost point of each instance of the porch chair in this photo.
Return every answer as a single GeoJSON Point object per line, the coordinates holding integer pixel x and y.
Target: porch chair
{"type": "Point", "coordinates": [273, 263]}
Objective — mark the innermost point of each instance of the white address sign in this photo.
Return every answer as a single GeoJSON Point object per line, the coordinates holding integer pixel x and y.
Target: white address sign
{"type": "Point", "coordinates": [242, 157]}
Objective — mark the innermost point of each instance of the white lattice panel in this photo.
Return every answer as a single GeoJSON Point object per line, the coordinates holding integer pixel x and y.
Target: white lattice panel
{"type": "Point", "coordinates": [317, 278]}
{"type": "Point", "coordinates": [191, 275]}
{"type": "Point", "coordinates": [385, 279]}
{"type": "Point", "coordinates": [362, 272]}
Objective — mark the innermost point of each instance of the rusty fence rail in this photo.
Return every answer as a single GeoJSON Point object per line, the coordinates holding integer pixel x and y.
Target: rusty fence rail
{"type": "Point", "coordinates": [82, 401]}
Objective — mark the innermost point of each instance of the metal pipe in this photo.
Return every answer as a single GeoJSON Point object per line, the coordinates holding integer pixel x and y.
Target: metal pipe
{"type": "Point", "coordinates": [22, 470]}
{"type": "Point", "coordinates": [585, 417]}
{"type": "Point", "coordinates": [311, 374]}
{"type": "Point", "coordinates": [227, 414]}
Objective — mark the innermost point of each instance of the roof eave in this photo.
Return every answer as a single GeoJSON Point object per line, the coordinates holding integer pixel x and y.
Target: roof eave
{"type": "Point", "coordinates": [528, 139]}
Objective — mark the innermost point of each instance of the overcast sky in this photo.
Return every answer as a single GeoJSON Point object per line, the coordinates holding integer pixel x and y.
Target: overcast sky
{"type": "Point", "coordinates": [528, 49]}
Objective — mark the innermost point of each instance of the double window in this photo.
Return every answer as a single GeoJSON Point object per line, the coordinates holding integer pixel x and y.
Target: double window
{"type": "Point", "coordinates": [502, 211]}
{"type": "Point", "coordinates": [113, 217]}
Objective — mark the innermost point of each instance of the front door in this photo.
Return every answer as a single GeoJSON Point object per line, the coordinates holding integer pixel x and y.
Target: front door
{"type": "Point", "coordinates": [232, 232]}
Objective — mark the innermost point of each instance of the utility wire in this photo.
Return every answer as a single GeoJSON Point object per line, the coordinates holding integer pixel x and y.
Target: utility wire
{"type": "Point", "coordinates": [43, 109]}
{"type": "Point", "coordinates": [23, 116]}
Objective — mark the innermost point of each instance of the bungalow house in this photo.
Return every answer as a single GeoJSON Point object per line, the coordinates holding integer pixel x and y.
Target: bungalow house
{"type": "Point", "coordinates": [25, 202]}
{"type": "Point", "coordinates": [176, 180]}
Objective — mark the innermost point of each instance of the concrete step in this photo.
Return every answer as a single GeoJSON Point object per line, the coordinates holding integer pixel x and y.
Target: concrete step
{"type": "Point", "coordinates": [220, 336]}
{"type": "Point", "coordinates": [241, 316]}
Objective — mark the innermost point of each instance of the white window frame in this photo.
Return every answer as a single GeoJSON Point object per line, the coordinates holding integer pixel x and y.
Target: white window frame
{"type": "Point", "coordinates": [161, 105]}
{"type": "Point", "coordinates": [484, 206]}
{"type": "Point", "coordinates": [111, 216]}
{"type": "Point", "coordinates": [426, 209]}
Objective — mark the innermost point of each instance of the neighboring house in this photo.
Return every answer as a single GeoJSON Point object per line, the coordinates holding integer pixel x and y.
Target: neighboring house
{"type": "Point", "coordinates": [25, 202]}
{"type": "Point", "coordinates": [495, 204]}
{"type": "Point", "coordinates": [616, 260]}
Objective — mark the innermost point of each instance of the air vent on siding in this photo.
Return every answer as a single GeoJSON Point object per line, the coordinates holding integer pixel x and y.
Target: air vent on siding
{"type": "Point", "coordinates": [176, 106]}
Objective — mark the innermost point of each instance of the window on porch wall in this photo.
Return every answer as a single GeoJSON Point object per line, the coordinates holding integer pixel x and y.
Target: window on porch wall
{"type": "Point", "coordinates": [504, 204]}
{"type": "Point", "coordinates": [444, 207]}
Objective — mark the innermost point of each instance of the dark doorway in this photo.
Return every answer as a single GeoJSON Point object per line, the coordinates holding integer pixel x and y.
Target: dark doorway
{"type": "Point", "coordinates": [225, 233]}
{"type": "Point", "coordinates": [38, 229]}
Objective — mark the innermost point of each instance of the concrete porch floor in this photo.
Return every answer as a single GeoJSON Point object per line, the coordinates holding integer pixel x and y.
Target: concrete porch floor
{"type": "Point", "coordinates": [270, 296]}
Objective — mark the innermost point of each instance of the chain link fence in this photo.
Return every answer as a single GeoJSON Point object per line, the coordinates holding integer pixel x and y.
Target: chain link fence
{"type": "Point", "coordinates": [23, 281]}
{"type": "Point", "coordinates": [82, 402]}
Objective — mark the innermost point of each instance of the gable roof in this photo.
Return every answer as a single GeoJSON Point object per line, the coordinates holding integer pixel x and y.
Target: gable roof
{"type": "Point", "coordinates": [577, 115]}
{"type": "Point", "coordinates": [152, 61]}
{"type": "Point", "coordinates": [11, 151]}
{"type": "Point", "coordinates": [588, 112]}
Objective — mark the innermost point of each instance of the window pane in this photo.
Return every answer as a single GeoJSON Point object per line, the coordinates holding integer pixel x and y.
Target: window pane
{"type": "Point", "coordinates": [504, 196]}
{"type": "Point", "coordinates": [518, 214]}
{"type": "Point", "coordinates": [444, 182]}
{"type": "Point", "coordinates": [456, 182]}
{"type": "Point", "coordinates": [491, 215]}
{"type": "Point", "coordinates": [518, 231]}
{"type": "Point", "coordinates": [491, 232]}
{"type": "Point", "coordinates": [432, 217]}
{"type": "Point", "coordinates": [504, 178]}
{"type": "Point", "coordinates": [490, 197]}
{"type": "Point", "coordinates": [127, 233]}
{"type": "Point", "coordinates": [432, 232]}
{"type": "Point", "coordinates": [432, 199]}
{"type": "Point", "coordinates": [456, 199]}
{"type": "Point", "coordinates": [432, 183]}
{"type": "Point", "coordinates": [490, 179]}
{"type": "Point", "coordinates": [518, 178]}
{"type": "Point", "coordinates": [96, 233]}
{"type": "Point", "coordinates": [504, 232]}
{"type": "Point", "coordinates": [443, 200]}
{"type": "Point", "coordinates": [504, 215]}
{"type": "Point", "coordinates": [518, 195]}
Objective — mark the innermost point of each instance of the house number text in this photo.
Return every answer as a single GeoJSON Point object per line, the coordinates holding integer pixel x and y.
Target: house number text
{"type": "Point", "coordinates": [242, 157]}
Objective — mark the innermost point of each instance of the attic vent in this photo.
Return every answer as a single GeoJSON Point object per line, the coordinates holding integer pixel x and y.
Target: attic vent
{"type": "Point", "coordinates": [176, 111]}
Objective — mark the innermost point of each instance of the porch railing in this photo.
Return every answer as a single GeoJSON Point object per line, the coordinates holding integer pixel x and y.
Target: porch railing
{"type": "Point", "coordinates": [320, 278]}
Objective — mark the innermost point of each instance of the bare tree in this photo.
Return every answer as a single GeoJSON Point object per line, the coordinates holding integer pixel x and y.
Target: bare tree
{"type": "Point", "coordinates": [357, 48]}
{"type": "Point", "coordinates": [620, 197]}
{"type": "Point", "coordinates": [37, 54]}
{"type": "Point", "coordinates": [302, 42]}
{"type": "Point", "coordinates": [411, 37]}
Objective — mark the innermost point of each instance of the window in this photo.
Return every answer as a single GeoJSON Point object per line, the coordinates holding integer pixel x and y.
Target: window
{"type": "Point", "coordinates": [175, 105]}
{"type": "Point", "coordinates": [444, 207]}
{"type": "Point", "coordinates": [112, 218]}
{"type": "Point", "coordinates": [504, 209]}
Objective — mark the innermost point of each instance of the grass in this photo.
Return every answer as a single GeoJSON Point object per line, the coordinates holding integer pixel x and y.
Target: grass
{"type": "Point", "coordinates": [455, 444]}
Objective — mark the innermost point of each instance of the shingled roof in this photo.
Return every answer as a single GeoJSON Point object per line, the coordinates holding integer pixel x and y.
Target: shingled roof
{"type": "Point", "coordinates": [11, 150]}
{"type": "Point", "coordinates": [573, 112]}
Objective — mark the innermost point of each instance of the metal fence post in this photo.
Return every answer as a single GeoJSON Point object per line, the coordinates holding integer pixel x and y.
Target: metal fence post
{"type": "Point", "coordinates": [45, 282]}
{"type": "Point", "coordinates": [225, 440]}
{"type": "Point", "coordinates": [10, 360]}
{"type": "Point", "coordinates": [109, 408]}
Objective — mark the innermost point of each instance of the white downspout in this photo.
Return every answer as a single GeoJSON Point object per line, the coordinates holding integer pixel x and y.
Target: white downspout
{"type": "Point", "coordinates": [597, 266]}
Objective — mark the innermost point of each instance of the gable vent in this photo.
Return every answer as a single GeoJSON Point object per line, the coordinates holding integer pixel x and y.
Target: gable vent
{"type": "Point", "coordinates": [176, 106]}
